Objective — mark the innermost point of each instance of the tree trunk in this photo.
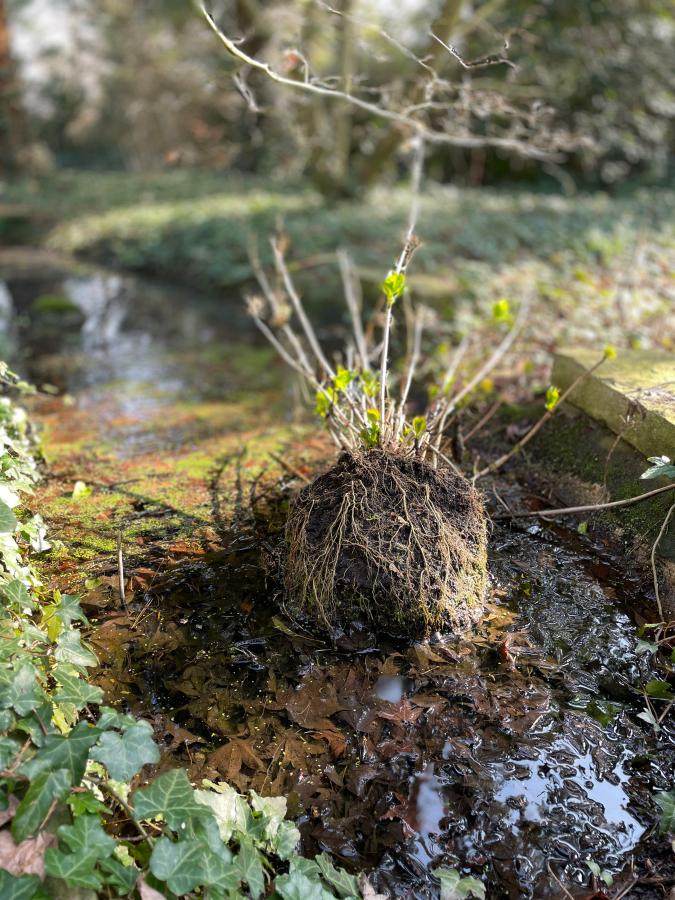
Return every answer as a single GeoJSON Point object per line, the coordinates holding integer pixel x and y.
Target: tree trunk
{"type": "Point", "coordinates": [11, 113]}
{"type": "Point", "coordinates": [442, 27]}
{"type": "Point", "coordinates": [343, 124]}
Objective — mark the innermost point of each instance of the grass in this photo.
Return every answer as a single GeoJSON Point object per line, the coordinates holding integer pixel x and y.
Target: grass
{"type": "Point", "coordinates": [600, 267]}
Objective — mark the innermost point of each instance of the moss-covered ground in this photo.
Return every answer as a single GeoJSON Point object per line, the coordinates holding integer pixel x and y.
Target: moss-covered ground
{"type": "Point", "coordinates": [165, 471]}
{"type": "Point", "coordinates": [598, 267]}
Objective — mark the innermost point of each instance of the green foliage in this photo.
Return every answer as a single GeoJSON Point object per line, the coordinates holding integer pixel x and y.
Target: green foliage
{"type": "Point", "coordinates": [661, 468]}
{"type": "Point", "coordinates": [501, 312]}
{"type": "Point", "coordinates": [371, 434]}
{"type": "Point", "coordinates": [659, 689]}
{"type": "Point", "coordinates": [393, 286]}
{"type": "Point", "coordinates": [666, 802]}
{"type": "Point", "coordinates": [454, 887]}
{"type": "Point", "coordinates": [125, 754]}
{"type": "Point", "coordinates": [60, 759]}
{"type": "Point", "coordinates": [552, 398]}
{"type": "Point", "coordinates": [419, 426]}
{"type": "Point", "coordinates": [600, 873]}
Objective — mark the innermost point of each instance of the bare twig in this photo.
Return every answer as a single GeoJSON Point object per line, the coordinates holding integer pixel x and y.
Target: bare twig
{"type": "Point", "coordinates": [590, 507]}
{"type": "Point", "coordinates": [483, 63]}
{"type": "Point", "coordinates": [505, 457]}
{"type": "Point", "coordinates": [662, 531]}
{"type": "Point", "coordinates": [299, 310]}
{"type": "Point", "coordinates": [433, 136]}
{"type": "Point", "coordinates": [120, 570]}
{"type": "Point", "coordinates": [353, 301]}
{"type": "Point", "coordinates": [558, 881]}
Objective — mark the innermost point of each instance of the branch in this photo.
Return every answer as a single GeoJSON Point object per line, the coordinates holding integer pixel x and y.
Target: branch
{"type": "Point", "coordinates": [591, 507]}
{"type": "Point", "coordinates": [497, 464]}
{"type": "Point", "coordinates": [382, 112]}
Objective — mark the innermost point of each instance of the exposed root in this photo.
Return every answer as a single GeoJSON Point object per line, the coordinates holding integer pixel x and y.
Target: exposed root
{"type": "Point", "coordinates": [388, 540]}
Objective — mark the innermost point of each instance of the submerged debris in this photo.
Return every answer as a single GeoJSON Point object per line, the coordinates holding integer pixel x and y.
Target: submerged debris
{"type": "Point", "coordinates": [388, 540]}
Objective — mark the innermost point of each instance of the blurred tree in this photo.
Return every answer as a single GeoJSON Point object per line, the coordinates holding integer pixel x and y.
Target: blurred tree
{"type": "Point", "coordinates": [12, 125]}
{"type": "Point", "coordinates": [608, 67]}
{"type": "Point", "coordinates": [141, 83]}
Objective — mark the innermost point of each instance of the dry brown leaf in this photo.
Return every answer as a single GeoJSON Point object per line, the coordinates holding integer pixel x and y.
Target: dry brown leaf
{"type": "Point", "coordinates": [147, 892]}
{"type": "Point", "coordinates": [7, 814]}
{"type": "Point", "coordinates": [26, 858]}
{"type": "Point", "coordinates": [368, 892]}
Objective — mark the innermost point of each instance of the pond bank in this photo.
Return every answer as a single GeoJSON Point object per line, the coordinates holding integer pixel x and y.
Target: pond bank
{"type": "Point", "coordinates": [499, 752]}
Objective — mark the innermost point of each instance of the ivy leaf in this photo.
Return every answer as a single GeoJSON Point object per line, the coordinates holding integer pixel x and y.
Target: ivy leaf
{"type": "Point", "coordinates": [20, 690]}
{"type": "Point", "coordinates": [286, 840]}
{"type": "Point", "coordinates": [16, 594]}
{"type": "Point", "coordinates": [87, 834]}
{"type": "Point", "coordinates": [296, 886]}
{"type": "Point", "coordinates": [74, 690]}
{"type": "Point", "coordinates": [120, 876]}
{"type": "Point", "coordinates": [250, 868]}
{"type": "Point", "coordinates": [69, 649]}
{"type": "Point", "coordinates": [273, 811]}
{"type": "Point", "coordinates": [38, 724]}
{"type": "Point", "coordinates": [22, 887]}
{"type": "Point", "coordinates": [229, 808]}
{"type": "Point", "coordinates": [88, 844]}
{"type": "Point", "coordinates": [180, 864]}
{"type": "Point", "coordinates": [666, 802]}
{"type": "Point", "coordinates": [76, 869]}
{"type": "Point", "coordinates": [110, 718]}
{"type": "Point", "coordinates": [32, 811]}
{"type": "Point", "coordinates": [81, 802]}
{"type": "Point", "coordinates": [454, 887]}
{"type": "Point", "coordinates": [68, 752]}
{"type": "Point", "coordinates": [9, 747]}
{"type": "Point", "coordinates": [8, 521]}
{"type": "Point", "coordinates": [661, 467]}
{"type": "Point", "coordinates": [69, 610]}
{"type": "Point", "coordinates": [343, 882]}
{"type": "Point", "coordinates": [172, 796]}
{"type": "Point", "coordinates": [125, 755]}
{"type": "Point", "coordinates": [659, 689]}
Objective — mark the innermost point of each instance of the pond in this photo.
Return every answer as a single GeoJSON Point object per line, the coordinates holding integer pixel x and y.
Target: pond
{"type": "Point", "coordinates": [514, 752]}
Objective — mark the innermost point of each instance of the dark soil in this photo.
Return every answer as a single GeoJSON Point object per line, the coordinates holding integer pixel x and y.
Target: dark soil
{"type": "Point", "coordinates": [388, 540]}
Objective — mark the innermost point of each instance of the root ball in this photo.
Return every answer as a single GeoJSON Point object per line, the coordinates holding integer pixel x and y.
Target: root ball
{"type": "Point", "coordinates": [388, 540]}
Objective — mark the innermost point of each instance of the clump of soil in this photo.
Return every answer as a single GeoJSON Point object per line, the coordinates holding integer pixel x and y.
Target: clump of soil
{"type": "Point", "coordinates": [388, 540]}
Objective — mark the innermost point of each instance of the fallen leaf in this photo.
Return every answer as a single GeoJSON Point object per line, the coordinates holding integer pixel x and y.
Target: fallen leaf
{"type": "Point", "coordinates": [368, 892]}
{"type": "Point", "coordinates": [7, 814]}
{"type": "Point", "coordinates": [26, 858]}
{"type": "Point", "coordinates": [147, 892]}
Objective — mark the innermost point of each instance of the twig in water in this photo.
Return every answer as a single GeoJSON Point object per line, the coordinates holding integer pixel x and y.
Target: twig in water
{"type": "Point", "coordinates": [120, 570]}
{"type": "Point", "coordinates": [662, 531]}
{"type": "Point", "coordinates": [558, 881]}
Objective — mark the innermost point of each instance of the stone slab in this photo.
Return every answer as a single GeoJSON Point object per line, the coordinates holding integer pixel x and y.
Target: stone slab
{"type": "Point", "coordinates": [633, 394]}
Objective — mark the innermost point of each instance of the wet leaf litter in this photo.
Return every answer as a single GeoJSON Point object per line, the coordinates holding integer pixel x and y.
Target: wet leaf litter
{"type": "Point", "coordinates": [497, 753]}
{"type": "Point", "coordinates": [512, 750]}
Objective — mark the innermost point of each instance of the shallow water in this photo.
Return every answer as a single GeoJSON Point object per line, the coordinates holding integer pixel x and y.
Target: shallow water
{"type": "Point", "coordinates": [501, 752]}
{"type": "Point", "coordinates": [506, 752]}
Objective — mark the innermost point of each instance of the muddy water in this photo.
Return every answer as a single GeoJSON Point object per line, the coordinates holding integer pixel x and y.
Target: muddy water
{"type": "Point", "coordinates": [514, 753]}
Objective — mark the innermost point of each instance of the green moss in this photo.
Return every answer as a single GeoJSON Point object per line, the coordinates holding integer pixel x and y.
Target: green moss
{"type": "Point", "coordinates": [55, 304]}
{"type": "Point", "coordinates": [571, 445]}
